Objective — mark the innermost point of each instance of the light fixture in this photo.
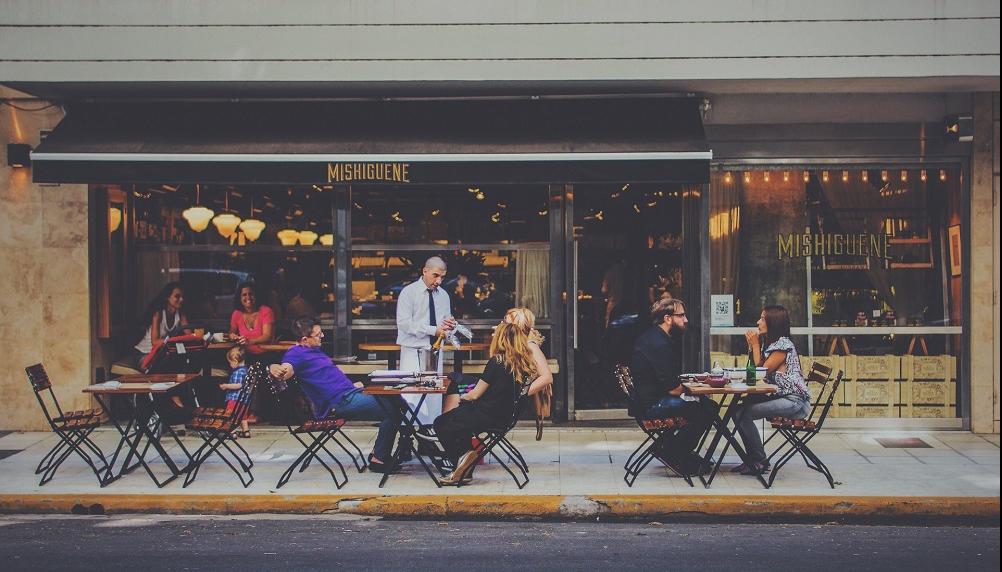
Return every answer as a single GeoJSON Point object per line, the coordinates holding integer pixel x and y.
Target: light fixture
{"type": "Point", "coordinates": [765, 176]}
{"type": "Point", "coordinates": [307, 237]}
{"type": "Point", "coordinates": [747, 177]}
{"type": "Point", "coordinates": [114, 219]}
{"type": "Point", "coordinates": [824, 176]}
{"type": "Point", "coordinates": [883, 176]}
{"type": "Point", "coordinates": [727, 177]}
{"type": "Point", "coordinates": [18, 155]}
{"type": "Point", "coordinates": [923, 176]}
{"type": "Point", "coordinates": [198, 217]}
{"type": "Point", "coordinates": [904, 176]}
{"type": "Point", "coordinates": [226, 224]}
{"type": "Point", "coordinates": [327, 239]}
{"type": "Point", "coordinates": [865, 175]}
{"type": "Point", "coordinates": [480, 195]}
{"type": "Point", "coordinates": [807, 176]}
{"type": "Point", "coordinates": [786, 176]}
{"type": "Point", "coordinates": [845, 176]}
{"type": "Point", "coordinates": [288, 236]}
{"type": "Point", "coordinates": [942, 175]}
{"type": "Point", "coordinates": [252, 227]}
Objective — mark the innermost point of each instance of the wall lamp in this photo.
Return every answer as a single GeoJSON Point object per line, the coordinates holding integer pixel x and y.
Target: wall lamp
{"type": "Point", "coordinates": [18, 155]}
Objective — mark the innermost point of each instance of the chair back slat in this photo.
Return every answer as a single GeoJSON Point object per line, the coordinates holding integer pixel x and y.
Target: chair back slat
{"type": "Point", "coordinates": [819, 374]}
{"type": "Point", "coordinates": [40, 383]}
{"type": "Point", "coordinates": [831, 400]}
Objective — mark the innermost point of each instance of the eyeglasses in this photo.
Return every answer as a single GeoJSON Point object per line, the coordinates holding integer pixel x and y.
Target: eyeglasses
{"type": "Point", "coordinates": [682, 315]}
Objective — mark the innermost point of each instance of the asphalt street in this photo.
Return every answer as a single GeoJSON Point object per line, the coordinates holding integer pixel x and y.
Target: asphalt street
{"type": "Point", "coordinates": [265, 542]}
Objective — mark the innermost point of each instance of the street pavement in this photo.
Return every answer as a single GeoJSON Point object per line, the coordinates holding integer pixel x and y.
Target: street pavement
{"type": "Point", "coordinates": [263, 542]}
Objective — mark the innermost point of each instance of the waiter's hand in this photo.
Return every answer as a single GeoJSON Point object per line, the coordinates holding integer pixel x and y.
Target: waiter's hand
{"type": "Point", "coordinates": [449, 323]}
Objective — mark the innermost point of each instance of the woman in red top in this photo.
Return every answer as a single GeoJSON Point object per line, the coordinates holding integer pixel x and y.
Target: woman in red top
{"type": "Point", "coordinates": [251, 323]}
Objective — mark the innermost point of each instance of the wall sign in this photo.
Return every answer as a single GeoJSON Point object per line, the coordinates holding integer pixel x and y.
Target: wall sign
{"type": "Point", "coordinates": [721, 310]}
{"type": "Point", "coordinates": [346, 172]}
{"type": "Point", "coordinates": [832, 244]}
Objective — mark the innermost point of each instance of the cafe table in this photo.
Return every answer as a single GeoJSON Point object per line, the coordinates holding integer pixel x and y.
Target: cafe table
{"type": "Point", "coordinates": [409, 423]}
{"type": "Point", "coordinates": [139, 434]}
{"type": "Point", "coordinates": [392, 350]}
{"type": "Point", "coordinates": [723, 425]}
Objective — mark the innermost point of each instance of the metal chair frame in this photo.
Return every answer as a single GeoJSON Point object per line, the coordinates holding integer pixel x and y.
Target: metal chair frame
{"type": "Point", "coordinates": [797, 433]}
{"type": "Point", "coordinates": [73, 429]}
{"type": "Point", "coordinates": [656, 431]}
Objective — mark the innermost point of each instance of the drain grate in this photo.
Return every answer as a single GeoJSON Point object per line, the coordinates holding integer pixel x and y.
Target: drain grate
{"type": "Point", "coordinates": [4, 453]}
{"type": "Point", "coordinates": [903, 443]}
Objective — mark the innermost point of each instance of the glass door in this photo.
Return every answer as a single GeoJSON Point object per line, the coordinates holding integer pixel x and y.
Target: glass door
{"type": "Point", "coordinates": [626, 252]}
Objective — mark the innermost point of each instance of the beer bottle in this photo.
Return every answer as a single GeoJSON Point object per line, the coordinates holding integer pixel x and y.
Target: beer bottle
{"type": "Point", "coordinates": [750, 369]}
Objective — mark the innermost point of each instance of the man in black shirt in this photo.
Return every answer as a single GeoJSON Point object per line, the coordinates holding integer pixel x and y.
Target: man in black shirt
{"type": "Point", "coordinates": [656, 365]}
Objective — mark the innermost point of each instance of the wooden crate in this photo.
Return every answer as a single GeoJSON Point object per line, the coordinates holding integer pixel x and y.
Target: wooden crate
{"type": "Point", "coordinates": [725, 359]}
{"type": "Point", "coordinates": [835, 362]}
{"type": "Point", "coordinates": [875, 412]}
{"type": "Point", "coordinates": [869, 395]}
{"type": "Point", "coordinates": [934, 411]}
{"type": "Point", "coordinates": [932, 368]}
{"type": "Point", "coordinates": [875, 367]}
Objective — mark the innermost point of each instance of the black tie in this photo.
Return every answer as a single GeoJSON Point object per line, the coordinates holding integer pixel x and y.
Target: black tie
{"type": "Point", "coordinates": [431, 314]}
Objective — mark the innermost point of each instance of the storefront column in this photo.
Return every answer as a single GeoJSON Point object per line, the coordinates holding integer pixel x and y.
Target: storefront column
{"type": "Point", "coordinates": [45, 306]}
{"type": "Point", "coordinates": [342, 270]}
{"type": "Point", "coordinates": [984, 266]}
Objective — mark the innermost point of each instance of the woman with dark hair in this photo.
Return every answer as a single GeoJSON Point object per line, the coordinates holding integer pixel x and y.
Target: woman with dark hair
{"type": "Point", "coordinates": [251, 323]}
{"type": "Point", "coordinates": [782, 363]}
{"type": "Point", "coordinates": [163, 317]}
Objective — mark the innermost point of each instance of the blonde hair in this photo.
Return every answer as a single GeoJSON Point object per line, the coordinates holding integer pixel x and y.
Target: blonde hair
{"type": "Point", "coordinates": [236, 354]}
{"type": "Point", "coordinates": [510, 344]}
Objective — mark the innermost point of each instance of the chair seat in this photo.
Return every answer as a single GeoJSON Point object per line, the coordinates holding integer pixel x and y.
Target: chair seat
{"type": "Point", "coordinates": [786, 423]}
{"type": "Point", "coordinates": [207, 424]}
{"type": "Point", "coordinates": [81, 414]}
{"type": "Point", "coordinates": [211, 412]}
{"type": "Point", "coordinates": [80, 423]}
{"type": "Point", "coordinates": [325, 424]}
{"type": "Point", "coordinates": [664, 423]}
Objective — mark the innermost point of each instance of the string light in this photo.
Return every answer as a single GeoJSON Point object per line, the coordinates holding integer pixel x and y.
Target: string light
{"type": "Point", "coordinates": [845, 176]}
{"type": "Point", "coordinates": [765, 176]}
{"type": "Point", "coordinates": [866, 175]}
{"type": "Point", "coordinates": [942, 175]}
{"type": "Point", "coordinates": [883, 176]}
{"type": "Point", "coordinates": [747, 177]}
{"type": "Point", "coordinates": [824, 176]}
{"type": "Point", "coordinates": [807, 176]}
{"type": "Point", "coordinates": [922, 175]}
{"type": "Point", "coordinates": [786, 176]}
{"type": "Point", "coordinates": [904, 176]}
{"type": "Point", "coordinates": [727, 178]}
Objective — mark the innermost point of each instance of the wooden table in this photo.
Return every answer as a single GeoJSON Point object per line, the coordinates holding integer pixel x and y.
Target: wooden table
{"type": "Point", "coordinates": [393, 349]}
{"type": "Point", "coordinates": [409, 423]}
{"type": "Point", "coordinates": [270, 347]}
{"type": "Point", "coordinates": [138, 431]}
{"type": "Point", "coordinates": [722, 424]}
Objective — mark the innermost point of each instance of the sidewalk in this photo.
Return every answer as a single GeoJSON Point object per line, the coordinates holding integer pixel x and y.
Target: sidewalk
{"type": "Point", "coordinates": [575, 473]}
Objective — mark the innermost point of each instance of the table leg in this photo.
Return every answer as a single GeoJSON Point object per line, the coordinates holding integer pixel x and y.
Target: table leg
{"type": "Point", "coordinates": [457, 361]}
{"type": "Point", "coordinates": [391, 361]}
{"type": "Point", "coordinates": [409, 424]}
{"type": "Point", "coordinates": [723, 430]}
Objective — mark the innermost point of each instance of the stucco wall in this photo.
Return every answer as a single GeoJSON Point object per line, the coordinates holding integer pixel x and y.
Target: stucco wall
{"type": "Point", "coordinates": [44, 308]}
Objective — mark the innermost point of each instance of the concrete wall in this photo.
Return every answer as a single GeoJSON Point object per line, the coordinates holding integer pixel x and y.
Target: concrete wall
{"type": "Point", "coordinates": [45, 306]}
{"type": "Point", "coordinates": [984, 268]}
{"type": "Point", "coordinates": [483, 40]}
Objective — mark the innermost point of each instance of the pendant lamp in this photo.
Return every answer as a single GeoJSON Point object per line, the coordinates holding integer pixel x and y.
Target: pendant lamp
{"type": "Point", "coordinates": [198, 217]}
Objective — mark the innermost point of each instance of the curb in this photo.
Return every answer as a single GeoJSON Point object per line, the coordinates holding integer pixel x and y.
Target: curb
{"type": "Point", "coordinates": [549, 507]}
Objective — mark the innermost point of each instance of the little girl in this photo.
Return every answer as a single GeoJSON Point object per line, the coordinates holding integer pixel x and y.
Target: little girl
{"type": "Point", "coordinates": [235, 357]}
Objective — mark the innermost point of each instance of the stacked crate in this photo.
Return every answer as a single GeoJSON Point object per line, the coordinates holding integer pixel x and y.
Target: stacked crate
{"type": "Point", "coordinates": [929, 386]}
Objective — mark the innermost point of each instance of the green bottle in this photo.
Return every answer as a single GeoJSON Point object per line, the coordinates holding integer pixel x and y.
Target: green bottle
{"type": "Point", "coordinates": [750, 369]}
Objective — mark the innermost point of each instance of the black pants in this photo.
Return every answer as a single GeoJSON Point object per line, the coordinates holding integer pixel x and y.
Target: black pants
{"type": "Point", "coordinates": [698, 415]}
{"type": "Point", "coordinates": [456, 428]}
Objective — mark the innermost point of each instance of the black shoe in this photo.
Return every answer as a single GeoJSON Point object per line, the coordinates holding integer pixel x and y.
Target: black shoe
{"type": "Point", "coordinates": [694, 465]}
{"type": "Point", "coordinates": [377, 467]}
{"type": "Point", "coordinates": [755, 469]}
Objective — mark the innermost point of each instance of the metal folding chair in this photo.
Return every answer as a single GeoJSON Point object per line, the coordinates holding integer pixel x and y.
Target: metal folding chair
{"type": "Point", "coordinates": [314, 434]}
{"type": "Point", "coordinates": [797, 433]}
{"type": "Point", "coordinates": [216, 432]}
{"type": "Point", "coordinates": [498, 438]}
{"type": "Point", "coordinates": [73, 429]}
{"type": "Point", "coordinates": [657, 431]}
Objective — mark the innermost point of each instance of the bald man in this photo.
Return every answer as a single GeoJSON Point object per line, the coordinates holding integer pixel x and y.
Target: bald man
{"type": "Point", "coordinates": [423, 314]}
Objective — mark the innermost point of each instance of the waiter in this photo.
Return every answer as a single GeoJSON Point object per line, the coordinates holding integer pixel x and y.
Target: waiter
{"type": "Point", "coordinates": [422, 316]}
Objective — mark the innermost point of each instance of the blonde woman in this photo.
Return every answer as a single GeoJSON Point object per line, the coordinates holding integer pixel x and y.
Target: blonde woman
{"type": "Point", "coordinates": [517, 366]}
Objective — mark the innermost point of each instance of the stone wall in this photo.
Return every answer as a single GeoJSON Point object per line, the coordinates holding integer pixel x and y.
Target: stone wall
{"type": "Point", "coordinates": [45, 301]}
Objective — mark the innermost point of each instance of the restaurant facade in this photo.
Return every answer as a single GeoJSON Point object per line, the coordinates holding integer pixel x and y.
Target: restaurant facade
{"type": "Point", "coordinates": [869, 214]}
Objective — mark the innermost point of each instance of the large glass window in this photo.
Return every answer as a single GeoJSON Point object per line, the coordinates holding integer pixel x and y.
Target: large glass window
{"type": "Point", "coordinates": [494, 239]}
{"type": "Point", "coordinates": [868, 262]}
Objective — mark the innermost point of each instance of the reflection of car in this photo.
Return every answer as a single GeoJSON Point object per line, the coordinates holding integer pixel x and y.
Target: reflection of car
{"type": "Point", "coordinates": [210, 291]}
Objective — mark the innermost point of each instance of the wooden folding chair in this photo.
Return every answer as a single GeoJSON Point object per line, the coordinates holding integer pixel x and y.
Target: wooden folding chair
{"type": "Point", "coordinates": [797, 433]}
{"type": "Point", "coordinates": [657, 431]}
{"type": "Point", "coordinates": [73, 429]}
{"type": "Point", "coordinates": [216, 432]}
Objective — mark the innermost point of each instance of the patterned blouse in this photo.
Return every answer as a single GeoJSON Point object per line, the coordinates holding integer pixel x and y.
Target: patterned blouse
{"type": "Point", "coordinates": [792, 382]}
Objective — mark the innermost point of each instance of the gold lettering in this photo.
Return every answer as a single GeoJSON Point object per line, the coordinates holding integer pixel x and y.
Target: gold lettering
{"type": "Point", "coordinates": [784, 246]}
{"type": "Point", "coordinates": [394, 172]}
{"type": "Point", "coordinates": [839, 244]}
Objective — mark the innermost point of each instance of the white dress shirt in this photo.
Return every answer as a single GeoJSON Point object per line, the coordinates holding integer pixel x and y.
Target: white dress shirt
{"type": "Point", "coordinates": [413, 326]}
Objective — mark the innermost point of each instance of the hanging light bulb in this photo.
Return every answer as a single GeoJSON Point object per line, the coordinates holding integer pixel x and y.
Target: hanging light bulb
{"type": "Point", "coordinates": [845, 176]}
{"type": "Point", "coordinates": [727, 177]}
{"type": "Point", "coordinates": [865, 175]}
{"type": "Point", "coordinates": [747, 177]}
{"type": "Point", "coordinates": [786, 176]}
{"type": "Point", "coordinates": [824, 176]}
{"type": "Point", "coordinates": [307, 237]}
{"type": "Point", "coordinates": [883, 176]}
{"type": "Point", "coordinates": [327, 239]}
{"type": "Point", "coordinates": [923, 176]}
{"type": "Point", "coordinates": [252, 227]}
{"type": "Point", "coordinates": [904, 176]}
{"type": "Point", "coordinates": [198, 217]}
{"type": "Point", "coordinates": [288, 236]}
{"type": "Point", "coordinates": [807, 177]}
{"type": "Point", "coordinates": [765, 176]}
{"type": "Point", "coordinates": [942, 175]}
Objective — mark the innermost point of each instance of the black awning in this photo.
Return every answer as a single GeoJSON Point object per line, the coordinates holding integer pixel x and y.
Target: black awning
{"type": "Point", "coordinates": [420, 141]}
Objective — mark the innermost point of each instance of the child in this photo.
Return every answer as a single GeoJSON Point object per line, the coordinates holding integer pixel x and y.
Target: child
{"type": "Point", "coordinates": [235, 357]}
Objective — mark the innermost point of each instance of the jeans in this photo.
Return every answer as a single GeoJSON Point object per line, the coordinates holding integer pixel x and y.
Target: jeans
{"type": "Point", "coordinates": [698, 415]}
{"type": "Point", "coordinates": [356, 405]}
{"type": "Point", "coordinates": [790, 406]}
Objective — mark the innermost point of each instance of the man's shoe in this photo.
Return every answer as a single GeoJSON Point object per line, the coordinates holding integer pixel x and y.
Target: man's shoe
{"type": "Point", "coordinates": [404, 449]}
{"type": "Point", "coordinates": [388, 467]}
{"type": "Point", "coordinates": [755, 469]}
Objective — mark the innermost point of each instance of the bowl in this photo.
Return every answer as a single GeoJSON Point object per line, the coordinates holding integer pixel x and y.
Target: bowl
{"type": "Point", "coordinates": [717, 381]}
{"type": "Point", "coordinates": [760, 372]}
{"type": "Point", "coordinates": [736, 373]}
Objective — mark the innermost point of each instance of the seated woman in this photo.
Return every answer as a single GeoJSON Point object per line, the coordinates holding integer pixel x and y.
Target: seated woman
{"type": "Point", "coordinates": [517, 366]}
{"type": "Point", "coordinates": [793, 400]}
{"type": "Point", "coordinates": [251, 323]}
{"type": "Point", "coordinates": [163, 317]}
